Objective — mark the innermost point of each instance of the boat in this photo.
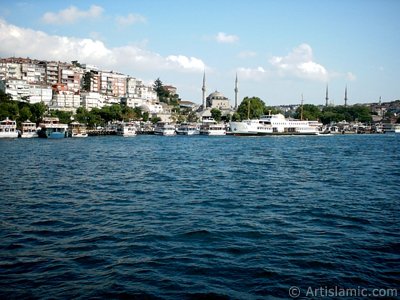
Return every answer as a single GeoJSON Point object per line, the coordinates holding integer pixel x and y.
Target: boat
{"type": "Point", "coordinates": [8, 129]}
{"type": "Point", "coordinates": [391, 128]}
{"type": "Point", "coordinates": [275, 124]}
{"type": "Point", "coordinates": [29, 129]}
{"type": "Point", "coordinates": [211, 127]}
{"type": "Point", "coordinates": [164, 128]}
{"type": "Point", "coordinates": [126, 129]}
{"type": "Point", "coordinates": [77, 130]}
{"type": "Point", "coordinates": [187, 129]}
{"type": "Point", "coordinates": [52, 128]}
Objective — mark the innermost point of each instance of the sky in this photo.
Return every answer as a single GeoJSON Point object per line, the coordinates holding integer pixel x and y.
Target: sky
{"type": "Point", "coordinates": [281, 50]}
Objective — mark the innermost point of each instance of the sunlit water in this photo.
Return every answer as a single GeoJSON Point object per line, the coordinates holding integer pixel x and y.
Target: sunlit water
{"type": "Point", "coordinates": [192, 217]}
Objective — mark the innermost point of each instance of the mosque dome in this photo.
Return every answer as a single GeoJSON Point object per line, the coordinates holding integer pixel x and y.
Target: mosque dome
{"type": "Point", "coordinates": [216, 96]}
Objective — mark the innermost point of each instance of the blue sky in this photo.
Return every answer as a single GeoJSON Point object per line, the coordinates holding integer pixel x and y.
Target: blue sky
{"type": "Point", "coordinates": [280, 49]}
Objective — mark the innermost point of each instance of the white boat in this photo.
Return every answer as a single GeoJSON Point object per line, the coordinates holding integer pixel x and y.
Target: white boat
{"type": "Point", "coordinates": [163, 128]}
{"type": "Point", "coordinates": [187, 129]}
{"type": "Point", "coordinates": [210, 127]}
{"type": "Point", "coordinates": [275, 124]}
{"type": "Point", "coordinates": [52, 128]}
{"type": "Point", "coordinates": [8, 129]}
{"type": "Point", "coordinates": [29, 130]}
{"type": "Point", "coordinates": [126, 129]}
{"type": "Point", "coordinates": [391, 128]}
{"type": "Point", "coordinates": [77, 130]}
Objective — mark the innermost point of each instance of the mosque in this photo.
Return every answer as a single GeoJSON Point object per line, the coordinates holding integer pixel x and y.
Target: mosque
{"type": "Point", "coordinates": [217, 100]}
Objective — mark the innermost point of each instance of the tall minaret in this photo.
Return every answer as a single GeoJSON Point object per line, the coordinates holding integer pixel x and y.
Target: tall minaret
{"type": "Point", "coordinates": [326, 97]}
{"type": "Point", "coordinates": [204, 90]}
{"type": "Point", "coordinates": [236, 92]}
{"type": "Point", "coordinates": [345, 97]}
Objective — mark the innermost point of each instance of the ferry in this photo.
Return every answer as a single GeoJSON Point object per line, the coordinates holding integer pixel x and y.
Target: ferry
{"type": "Point", "coordinates": [52, 128]}
{"type": "Point", "coordinates": [391, 128]}
{"type": "Point", "coordinates": [163, 128]}
{"type": "Point", "coordinates": [275, 124]}
{"type": "Point", "coordinates": [8, 129]}
{"type": "Point", "coordinates": [187, 129]}
{"type": "Point", "coordinates": [77, 130]}
{"type": "Point", "coordinates": [126, 129]}
{"type": "Point", "coordinates": [29, 130]}
{"type": "Point", "coordinates": [210, 127]}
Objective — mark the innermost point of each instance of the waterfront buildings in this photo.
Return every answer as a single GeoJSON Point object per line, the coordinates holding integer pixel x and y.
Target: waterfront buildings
{"type": "Point", "coordinates": [67, 86]}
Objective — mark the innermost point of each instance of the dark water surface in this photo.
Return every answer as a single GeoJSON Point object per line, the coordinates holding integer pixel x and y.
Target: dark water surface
{"type": "Point", "coordinates": [196, 217]}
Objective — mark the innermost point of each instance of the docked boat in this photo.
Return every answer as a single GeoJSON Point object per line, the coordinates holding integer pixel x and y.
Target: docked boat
{"type": "Point", "coordinates": [126, 129]}
{"type": "Point", "coordinates": [275, 124]}
{"type": "Point", "coordinates": [29, 130]}
{"type": "Point", "coordinates": [8, 129]}
{"type": "Point", "coordinates": [52, 128]}
{"type": "Point", "coordinates": [163, 128]}
{"type": "Point", "coordinates": [391, 128]}
{"type": "Point", "coordinates": [77, 130]}
{"type": "Point", "coordinates": [210, 127]}
{"type": "Point", "coordinates": [187, 129]}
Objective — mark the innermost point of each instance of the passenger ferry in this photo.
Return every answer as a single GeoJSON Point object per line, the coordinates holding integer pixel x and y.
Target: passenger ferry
{"type": "Point", "coordinates": [391, 128]}
{"type": "Point", "coordinates": [77, 130]}
{"type": "Point", "coordinates": [188, 129]}
{"type": "Point", "coordinates": [126, 129]}
{"type": "Point", "coordinates": [211, 127]}
{"type": "Point", "coordinates": [29, 130]}
{"type": "Point", "coordinates": [275, 125]}
{"type": "Point", "coordinates": [163, 128]}
{"type": "Point", "coordinates": [52, 128]}
{"type": "Point", "coordinates": [8, 129]}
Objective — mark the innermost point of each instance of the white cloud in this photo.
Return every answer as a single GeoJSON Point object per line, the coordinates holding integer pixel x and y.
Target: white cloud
{"type": "Point", "coordinates": [252, 73]}
{"type": "Point", "coordinates": [130, 19]}
{"type": "Point", "coordinates": [300, 63]}
{"type": "Point", "coordinates": [222, 37]}
{"type": "Point", "coordinates": [350, 76]}
{"type": "Point", "coordinates": [185, 62]}
{"type": "Point", "coordinates": [72, 14]}
{"type": "Point", "coordinates": [247, 54]}
{"type": "Point", "coordinates": [36, 44]}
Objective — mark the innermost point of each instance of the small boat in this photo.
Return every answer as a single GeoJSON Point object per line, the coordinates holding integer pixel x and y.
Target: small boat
{"type": "Point", "coordinates": [51, 128]}
{"type": "Point", "coordinates": [164, 128]}
{"type": "Point", "coordinates": [187, 129]}
{"type": "Point", "coordinates": [77, 130]}
{"type": "Point", "coordinates": [211, 127]}
{"type": "Point", "coordinates": [8, 129]}
{"type": "Point", "coordinates": [29, 130]}
{"type": "Point", "coordinates": [126, 129]}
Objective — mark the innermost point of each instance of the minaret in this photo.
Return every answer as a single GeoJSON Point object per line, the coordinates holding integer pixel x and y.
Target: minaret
{"type": "Point", "coordinates": [204, 90]}
{"type": "Point", "coordinates": [326, 97]}
{"type": "Point", "coordinates": [345, 97]}
{"type": "Point", "coordinates": [236, 92]}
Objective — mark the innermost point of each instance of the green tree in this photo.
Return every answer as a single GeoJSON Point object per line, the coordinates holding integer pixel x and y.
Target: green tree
{"type": "Point", "coordinates": [162, 94]}
{"type": "Point", "coordinates": [251, 108]}
{"type": "Point", "coordinates": [310, 112]}
{"type": "Point", "coordinates": [25, 114]}
{"type": "Point", "coordinates": [145, 116]}
{"type": "Point", "coordinates": [236, 117]}
{"type": "Point", "coordinates": [38, 110]}
{"type": "Point", "coordinates": [86, 81]}
{"type": "Point", "coordinates": [216, 114]}
{"type": "Point", "coordinates": [154, 120]}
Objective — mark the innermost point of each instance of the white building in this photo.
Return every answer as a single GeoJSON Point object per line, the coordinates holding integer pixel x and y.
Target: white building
{"type": "Point", "coordinates": [38, 93]}
{"type": "Point", "coordinates": [92, 100]}
{"type": "Point", "coordinates": [17, 88]}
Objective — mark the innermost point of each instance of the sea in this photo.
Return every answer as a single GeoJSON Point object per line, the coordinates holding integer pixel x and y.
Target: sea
{"type": "Point", "coordinates": [197, 217]}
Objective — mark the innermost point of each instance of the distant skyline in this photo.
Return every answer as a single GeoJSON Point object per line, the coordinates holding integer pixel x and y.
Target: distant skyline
{"type": "Point", "coordinates": [280, 50]}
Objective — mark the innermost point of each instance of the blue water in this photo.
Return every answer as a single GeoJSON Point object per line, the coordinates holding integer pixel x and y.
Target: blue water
{"type": "Point", "coordinates": [198, 217]}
